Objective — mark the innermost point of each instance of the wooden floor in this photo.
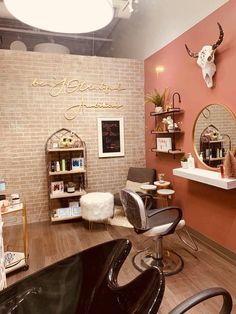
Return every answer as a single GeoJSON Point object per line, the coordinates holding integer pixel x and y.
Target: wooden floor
{"type": "Point", "coordinates": [203, 269]}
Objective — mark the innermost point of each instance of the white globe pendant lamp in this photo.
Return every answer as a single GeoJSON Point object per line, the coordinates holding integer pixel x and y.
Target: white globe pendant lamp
{"type": "Point", "coordinates": [63, 16]}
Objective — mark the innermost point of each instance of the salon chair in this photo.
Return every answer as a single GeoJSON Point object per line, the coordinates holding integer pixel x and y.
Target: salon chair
{"type": "Point", "coordinates": [86, 283]}
{"type": "Point", "coordinates": [136, 177]}
{"type": "Point", "coordinates": [154, 223]}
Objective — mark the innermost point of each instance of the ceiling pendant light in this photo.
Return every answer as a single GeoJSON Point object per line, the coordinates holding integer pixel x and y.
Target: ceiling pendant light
{"type": "Point", "coordinates": [70, 16]}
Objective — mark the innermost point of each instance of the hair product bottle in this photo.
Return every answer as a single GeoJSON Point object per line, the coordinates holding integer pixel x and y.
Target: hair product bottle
{"type": "Point", "coordinates": [191, 162]}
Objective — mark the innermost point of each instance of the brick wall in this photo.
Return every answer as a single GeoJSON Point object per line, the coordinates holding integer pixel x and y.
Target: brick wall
{"type": "Point", "coordinates": [29, 115]}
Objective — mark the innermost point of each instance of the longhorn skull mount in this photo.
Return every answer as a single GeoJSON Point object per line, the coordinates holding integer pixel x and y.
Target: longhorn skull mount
{"type": "Point", "coordinates": [206, 57]}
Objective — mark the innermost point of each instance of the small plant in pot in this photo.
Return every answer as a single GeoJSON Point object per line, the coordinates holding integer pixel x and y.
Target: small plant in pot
{"type": "Point", "coordinates": [184, 162]}
{"type": "Point", "coordinates": [158, 99]}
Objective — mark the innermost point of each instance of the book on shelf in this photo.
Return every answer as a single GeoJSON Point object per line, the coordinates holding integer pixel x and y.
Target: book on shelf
{"type": "Point", "coordinates": [67, 212]}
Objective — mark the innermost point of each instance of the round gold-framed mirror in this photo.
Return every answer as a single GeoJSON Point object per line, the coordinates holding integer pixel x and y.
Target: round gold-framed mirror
{"type": "Point", "coordinates": [214, 133]}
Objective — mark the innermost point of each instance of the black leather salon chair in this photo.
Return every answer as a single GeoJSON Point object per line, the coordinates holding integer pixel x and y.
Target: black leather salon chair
{"type": "Point", "coordinates": [155, 223]}
{"type": "Point", "coordinates": [86, 283]}
{"type": "Point", "coordinates": [135, 178]}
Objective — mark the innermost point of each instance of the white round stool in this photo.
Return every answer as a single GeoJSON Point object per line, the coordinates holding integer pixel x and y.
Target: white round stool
{"type": "Point", "coordinates": [165, 195]}
{"type": "Point", "coordinates": [97, 207]}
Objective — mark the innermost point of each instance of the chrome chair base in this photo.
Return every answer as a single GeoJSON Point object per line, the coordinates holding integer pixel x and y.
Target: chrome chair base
{"type": "Point", "coordinates": [171, 263]}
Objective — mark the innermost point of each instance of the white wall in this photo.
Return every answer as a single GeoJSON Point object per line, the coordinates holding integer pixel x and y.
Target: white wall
{"type": "Point", "coordinates": [155, 23]}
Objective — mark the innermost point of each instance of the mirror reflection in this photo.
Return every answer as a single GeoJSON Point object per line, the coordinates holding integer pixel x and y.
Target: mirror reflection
{"type": "Point", "coordinates": [214, 134]}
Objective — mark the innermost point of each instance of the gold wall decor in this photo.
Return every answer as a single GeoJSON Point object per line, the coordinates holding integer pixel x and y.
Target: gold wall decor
{"type": "Point", "coordinates": [65, 86]}
{"type": "Point", "coordinates": [73, 111]}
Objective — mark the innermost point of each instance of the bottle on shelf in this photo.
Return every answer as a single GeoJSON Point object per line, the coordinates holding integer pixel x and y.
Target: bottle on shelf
{"type": "Point", "coordinates": [52, 167]}
{"type": "Point", "coordinates": [191, 162]}
{"type": "Point", "coordinates": [58, 168]}
{"type": "Point", "coordinates": [223, 152]}
{"type": "Point", "coordinates": [63, 165]}
{"type": "Point", "coordinates": [68, 165]}
{"type": "Point", "coordinates": [201, 156]}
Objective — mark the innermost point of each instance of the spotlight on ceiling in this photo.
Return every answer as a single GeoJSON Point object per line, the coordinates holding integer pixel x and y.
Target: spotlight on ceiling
{"type": "Point", "coordinates": [70, 16]}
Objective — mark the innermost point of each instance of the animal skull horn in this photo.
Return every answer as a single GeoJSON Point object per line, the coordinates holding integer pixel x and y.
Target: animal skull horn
{"type": "Point", "coordinates": [205, 58]}
{"type": "Point", "coordinates": [220, 39]}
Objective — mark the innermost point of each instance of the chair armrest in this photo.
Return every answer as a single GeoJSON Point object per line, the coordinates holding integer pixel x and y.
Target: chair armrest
{"type": "Point", "coordinates": [145, 196]}
{"type": "Point", "coordinates": [142, 295]}
{"type": "Point", "coordinates": [202, 296]}
{"type": "Point", "coordinates": [175, 222]}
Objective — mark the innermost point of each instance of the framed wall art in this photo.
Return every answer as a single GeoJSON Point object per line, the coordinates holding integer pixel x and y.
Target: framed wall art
{"type": "Point", "coordinates": [110, 137]}
{"type": "Point", "coordinates": [164, 144]}
{"type": "Point", "coordinates": [57, 187]}
{"type": "Point", "coordinates": [77, 163]}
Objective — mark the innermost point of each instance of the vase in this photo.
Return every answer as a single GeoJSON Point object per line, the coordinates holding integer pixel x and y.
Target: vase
{"type": "Point", "coordinates": [184, 164]}
{"type": "Point", "coordinates": [158, 109]}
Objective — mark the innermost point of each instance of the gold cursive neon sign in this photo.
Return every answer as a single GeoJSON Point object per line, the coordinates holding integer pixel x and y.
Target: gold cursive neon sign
{"type": "Point", "coordinates": [73, 111]}
{"type": "Point", "coordinates": [66, 86]}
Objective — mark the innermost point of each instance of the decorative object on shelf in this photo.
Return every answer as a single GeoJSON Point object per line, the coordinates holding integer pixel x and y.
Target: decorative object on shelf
{"type": "Point", "coordinates": [171, 125]}
{"type": "Point", "coordinates": [161, 177]}
{"type": "Point", "coordinates": [77, 163]}
{"type": "Point", "coordinates": [70, 187]}
{"type": "Point", "coordinates": [4, 205]}
{"type": "Point", "coordinates": [110, 137]}
{"type": "Point", "coordinates": [57, 187]}
{"type": "Point", "coordinates": [184, 162]}
{"type": "Point", "coordinates": [15, 200]}
{"type": "Point", "coordinates": [230, 164]}
{"type": "Point", "coordinates": [205, 58]}
{"type": "Point", "coordinates": [164, 144]}
{"type": "Point", "coordinates": [64, 138]}
{"type": "Point", "coordinates": [158, 99]}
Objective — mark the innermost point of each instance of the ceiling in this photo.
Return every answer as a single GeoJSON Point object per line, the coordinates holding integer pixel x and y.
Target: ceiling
{"type": "Point", "coordinates": [83, 44]}
{"type": "Point", "coordinates": [152, 25]}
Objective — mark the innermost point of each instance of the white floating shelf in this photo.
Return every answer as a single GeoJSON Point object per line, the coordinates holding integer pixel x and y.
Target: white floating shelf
{"type": "Point", "coordinates": [206, 176]}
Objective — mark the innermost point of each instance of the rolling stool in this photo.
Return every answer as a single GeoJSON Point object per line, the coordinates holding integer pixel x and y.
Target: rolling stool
{"type": "Point", "coordinates": [165, 195]}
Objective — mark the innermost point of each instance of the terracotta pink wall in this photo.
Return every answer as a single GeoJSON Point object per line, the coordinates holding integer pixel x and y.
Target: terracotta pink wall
{"type": "Point", "coordinates": [209, 210]}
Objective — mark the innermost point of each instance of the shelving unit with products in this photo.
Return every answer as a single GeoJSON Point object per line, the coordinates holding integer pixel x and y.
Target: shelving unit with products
{"type": "Point", "coordinates": [213, 146]}
{"type": "Point", "coordinates": [67, 175]}
{"type": "Point", "coordinates": [16, 258]}
{"type": "Point", "coordinates": [166, 139]}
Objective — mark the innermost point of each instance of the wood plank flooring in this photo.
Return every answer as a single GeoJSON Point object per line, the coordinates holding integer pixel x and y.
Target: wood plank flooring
{"type": "Point", "coordinates": [203, 269]}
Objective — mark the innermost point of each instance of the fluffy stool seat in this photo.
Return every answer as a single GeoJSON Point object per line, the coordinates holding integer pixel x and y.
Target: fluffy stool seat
{"type": "Point", "coordinates": [97, 206]}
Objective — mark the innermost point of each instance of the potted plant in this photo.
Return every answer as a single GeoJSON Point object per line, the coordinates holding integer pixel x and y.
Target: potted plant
{"type": "Point", "coordinates": [184, 162]}
{"type": "Point", "coordinates": [158, 99]}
